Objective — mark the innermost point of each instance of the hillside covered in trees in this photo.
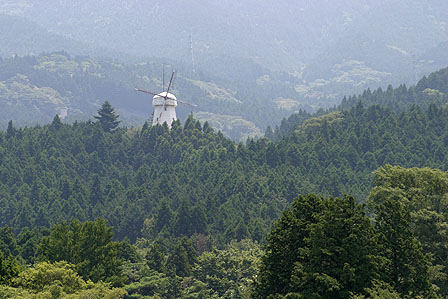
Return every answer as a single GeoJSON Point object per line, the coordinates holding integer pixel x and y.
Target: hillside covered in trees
{"type": "Point", "coordinates": [188, 213]}
{"type": "Point", "coordinates": [86, 170]}
{"type": "Point", "coordinates": [200, 181]}
{"type": "Point", "coordinates": [429, 90]}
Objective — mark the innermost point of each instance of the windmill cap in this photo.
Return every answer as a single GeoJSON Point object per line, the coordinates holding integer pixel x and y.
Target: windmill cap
{"type": "Point", "coordinates": [159, 99]}
{"type": "Point", "coordinates": [164, 94]}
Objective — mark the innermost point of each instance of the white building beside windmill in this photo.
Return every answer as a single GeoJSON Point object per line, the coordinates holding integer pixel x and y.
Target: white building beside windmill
{"type": "Point", "coordinates": [63, 111]}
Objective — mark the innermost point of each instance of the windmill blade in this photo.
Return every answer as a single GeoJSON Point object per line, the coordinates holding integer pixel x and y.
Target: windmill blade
{"type": "Point", "coordinates": [174, 79]}
{"type": "Point", "coordinates": [169, 85]}
{"type": "Point", "coordinates": [149, 92]}
{"type": "Point", "coordinates": [186, 103]}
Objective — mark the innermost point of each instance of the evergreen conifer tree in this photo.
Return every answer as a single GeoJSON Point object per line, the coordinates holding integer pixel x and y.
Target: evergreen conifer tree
{"type": "Point", "coordinates": [107, 117]}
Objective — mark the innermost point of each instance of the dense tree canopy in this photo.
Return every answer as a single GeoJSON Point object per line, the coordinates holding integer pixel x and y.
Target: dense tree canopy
{"type": "Point", "coordinates": [330, 248]}
{"type": "Point", "coordinates": [190, 180]}
{"type": "Point", "coordinates": [418, 197]}
{"type": "Point", "coordinates": [56, 280]}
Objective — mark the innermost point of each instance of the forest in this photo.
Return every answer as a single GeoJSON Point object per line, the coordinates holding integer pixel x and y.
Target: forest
{"type": "Point", "coordinates": [428, 90]}
{"type": "Point", "coordinates": [344, 203]}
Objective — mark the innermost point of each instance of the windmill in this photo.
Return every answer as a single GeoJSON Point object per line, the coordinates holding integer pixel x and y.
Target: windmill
{"type": "Point", "coordinates": [164, 104]}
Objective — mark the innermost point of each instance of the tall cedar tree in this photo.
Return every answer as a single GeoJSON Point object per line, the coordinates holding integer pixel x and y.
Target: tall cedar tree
{"type": "Point", "coordinates": [321, 248]}
{"type": "Point", "coordinates": [107, 117]}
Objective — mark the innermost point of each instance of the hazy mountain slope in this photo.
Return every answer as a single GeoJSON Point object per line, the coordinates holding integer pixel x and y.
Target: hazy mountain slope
{"type": "Point", "coordinates": [34, 88]}
{"type": "Point", "coordinates": [20, 37]}
{"type": "Point", "coordinates": [386, 37]}
{"type": "Point", "coordinates": [433, 57]}
{"type": "Point", "coordinates": [276, 34]}
{"type": "Point", "coordinates": [329, 48]}
{"type": "Point", "coordinates": [429, 90]}
{"type": "Point", "coordinates": [383, 47]}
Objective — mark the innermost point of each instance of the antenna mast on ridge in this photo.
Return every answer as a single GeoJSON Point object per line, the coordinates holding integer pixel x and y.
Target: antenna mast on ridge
{"type": "Point", "coordinates": [191, 50]}
{"type": "Point", "coordinates": [163, 77]}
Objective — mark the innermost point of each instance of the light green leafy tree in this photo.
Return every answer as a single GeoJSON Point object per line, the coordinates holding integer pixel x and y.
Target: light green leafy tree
{"type": "Point", "coordinates": [379, 290]}
{"type": "Point", "coordinates": [57, 280]}
{"type": "Point", "coordinates": [412, 204]}
{"type": "Point", "coordinates": [225, 273]}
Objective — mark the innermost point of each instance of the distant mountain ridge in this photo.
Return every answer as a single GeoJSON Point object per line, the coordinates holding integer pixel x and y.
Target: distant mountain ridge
{"type": "Point", "coordinates": [21, 36]}
{"type": "Point", "coordinates": [331, 48]}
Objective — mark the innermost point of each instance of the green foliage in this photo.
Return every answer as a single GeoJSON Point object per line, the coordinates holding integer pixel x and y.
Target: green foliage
{"type": "Point", "coordinates": [379, 290]}
{"type": "Point", "coordinates": [46, 274]}
{"type": "Point", "coordinates": [89, 246]}
{"type": "Point", "coordinates": [107, 117]}
{"type": "Point", "coordinates": [221, 273]}
{"type": "Point", "coordinates": [181, 178]}
{"type": "Point", "coordinates": [155, 258]}
{"type": "Point", "coordinates": [429, 90]}
{"type": "Point", "coordinates": [188, 189]}
{"type": "Point", "coordinates": [191, 180]}
{"type": "Point", "coordinates": [419, 195]}
{"type": "Point", "coordinates": [229, 272]}
{"type": "Point", "coordinates": [402, 98]}
{"type": "Point", "coordinates": [153, 285]}
{"type": "Point", "coordinates": [9, 269]}
{"type": "Point", "coordinates": [406, 268]}
{"type": "Point", "coordinates": [28, 242]}
{"type": "Point", "coordinates": [181, 260]}
{"type": "Point", "coordinates": [8, 243]}
{"type": "Point", "coordinates": [56, 280]}
{"type": "Point", "coordinates": [321, 248]}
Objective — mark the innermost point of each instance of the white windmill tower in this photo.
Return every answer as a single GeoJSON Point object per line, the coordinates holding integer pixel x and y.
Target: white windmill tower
{"type": "Point", "coordinates": [164, 104]}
